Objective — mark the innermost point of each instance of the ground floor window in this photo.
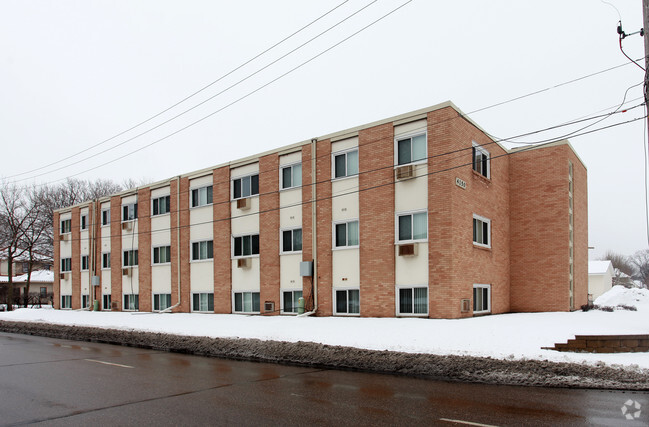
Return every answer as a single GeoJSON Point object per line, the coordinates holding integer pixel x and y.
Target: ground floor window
{"type": "Point", "coordinates": [106, 302]}
{"type": "Point", "coordinates": [290, 299]}
{"type": "Point", "coordinates": [203, 302]}
{"type": "Point", "coordinates": [85, 301]}
{"type": "Point", "coordinates": [161, 301]}
{"type": "Point", "coordinates": [66, 301]}
{"type": "Point", "coordinates": [348, 301]}
{"type": "Point", "coordinates": [43, 292]}
{"type": "Point", "coordinates": [413, 300]}
{"type": "Point", "coordinates": [481, 299]}
{"type": "Point", "coordinates": [246, 302]}
{"type": "Point", "coordinates": [131, 302]}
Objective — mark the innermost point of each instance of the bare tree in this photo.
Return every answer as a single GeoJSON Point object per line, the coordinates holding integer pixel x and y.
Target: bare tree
{"type": "Point", "coordinates": [640, 261]}
{"type": "Point", "coordinates": [620, 262]}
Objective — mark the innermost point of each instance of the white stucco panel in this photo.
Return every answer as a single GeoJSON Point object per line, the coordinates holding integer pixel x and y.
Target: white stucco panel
{"type": "Point", "coordinates": [245, 279]}
{"type": "Point", "coordinates": [346, 268]}
{"type": "Point", "coordinates": [412, 270]}
{"type": "Point", "coordinates": [289, 267]}
{"type": "Point", "coordinates": [161, 279]}
{"type": "Point", "coordinates": [408, 128]}
{"type": "Point", "coordinates": [202, 276]}
{"type": "Point", "coordinates": [344, 204]}
{"type": "Point", "coordinates": [412, 194]}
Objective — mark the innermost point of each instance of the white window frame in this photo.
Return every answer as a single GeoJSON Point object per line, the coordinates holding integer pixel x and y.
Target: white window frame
{"type": "Point", "coordinates": [105, 217]}
{"type": "Point", "coordinates": [412, 287]}
{"type": "Point", "coordinates": [153, 249]}
{"type": "Point", "coordinates": [252, 255]}
{"type": "Point", "coordinates": [477, 148]}
{"type": "Point", "coordinates": [105, 256]}
{"type": "Point", "coordinates": [131, 254]}
{"type": "Point", "coordinates": [199, 242]}
{"type": "Point", "coordinates": [412, 222]}
{"type": "Point", "coordinates": [157, 296]}
{"type": "Point", "coordinates": [293, 183]}
{"type": "Point", "coordinates": [335, 301]}
{"type": "Point", "coordinates": [157, 201]}
{"type": "Point", "coordinates": [65, 226]}
{"type": "Point", "coordinates": [486, 221]}
{"type": "Point", "coordinates": [66, 268]}
{"type": "Point", "coordinates": [333, 163]}
{"type": "Point", "coordinates": [242, 302]}
{"type": "Point", "coordinates": [132, 211]}
{"type": "Point", "coordinates": [83, 220]}
{"type": "Point", "coordinates": [481, 286]}
{"type": "Point", "coordinates": [241, 178]}
{"type": "Point", "coordinates": [68, 304]}
{"type": "Point", "coordinates": [87, 262]}
{"type": "Point", "coordinates": [209, 194]}
{"type": "Point", "coordinates": [294, 300]}
{"type": "Point", "coordinates": [346, 246]}
{"type": "Point", "coordinates": [410, 136]}
{"type": "Point", "coordinates": [281, 241]}
{"type": "Point", "coordinates": [210, 299]}
{"type": "Point", "coordinates": [106, 299]}
{"type": "Point", "coordinates": [137, 301]}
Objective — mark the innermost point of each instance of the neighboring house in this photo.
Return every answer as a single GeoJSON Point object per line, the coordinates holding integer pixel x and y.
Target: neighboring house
{"type": "Point", "coordinates": [40, 285]}
{"type": "Point", "coordinates": [421, 214]}
{"type": "Point", "coordinates": [600, 277]}
{"type": "Point", "coordinates": [21, 263]}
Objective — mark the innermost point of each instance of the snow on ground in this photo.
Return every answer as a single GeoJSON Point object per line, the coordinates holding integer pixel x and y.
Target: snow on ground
{"type": "Point", "coordinates": [503, 336]}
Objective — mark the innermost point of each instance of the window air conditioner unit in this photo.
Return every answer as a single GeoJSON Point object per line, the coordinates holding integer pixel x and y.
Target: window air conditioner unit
{"type": "Point", "coordinates": [405, 172]}
{"type": "Point", "coordinates": [269, 306]}
{"type": "Point", "coordinates": [63, 276]}
{"type": "Point", "coordinates": [466, 305]}
{"type": "Point", "coordinates": [126, 272]}
{"type": "Point", "coordinates": [243, 204]}
{"type": "Point", "coordinates": [64, 237]}
{"type": "Point", "coordinates": [408, 250]}
{"type": "Point", "coordinates": [114, 305]}
{"type": "Point", "coordinates": [126, 226]}
{"type": "Point", "coordinates": [243, 263]}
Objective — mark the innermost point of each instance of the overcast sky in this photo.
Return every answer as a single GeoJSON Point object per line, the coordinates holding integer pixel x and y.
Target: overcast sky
{"type": "Point", "coordinates": [75, 73]}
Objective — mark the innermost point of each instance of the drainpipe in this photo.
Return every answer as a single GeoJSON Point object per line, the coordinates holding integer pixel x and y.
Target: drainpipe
{"type": "Point", "coordinates": [314, 230]}
{"type": "Point", "coordinates": [169, 309]}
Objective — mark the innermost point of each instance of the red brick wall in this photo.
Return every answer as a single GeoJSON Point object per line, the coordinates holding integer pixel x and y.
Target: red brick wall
{"type": "Point", "coordinates": [185, 274]}
{"type": "Point", "coordinates": [174, 233]}
{"type": "Point", "coordinates": [221, 233]}
{"type": "Point", "coordinates": [116, 250]}
{"type": "Point", "coordinates": [56, 286]}
{"type": "Point", "coordinates": [76, 258]}
{"type": "Point", "coordinates": [94, 216]}
{"type": "Point", "coordinates": [269, 230]}
{"type": "Point", "coordinates": [307, 227]}
{"type": "Point", "coordinates": [323, 226]}
{"type": "Point", "coordinates": [376, 222]}
{"type": "Point", "coordinates": [540, 229]}
{"type": "Point", "coordinates": [580, 223]}
{"type": "Point", "coordinates": [144, 248]}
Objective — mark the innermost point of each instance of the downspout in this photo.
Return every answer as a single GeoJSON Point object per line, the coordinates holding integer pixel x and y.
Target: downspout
{"type": "Point", "coordinates": [314, 233]}
{"type": "Point", "coordinates": [169, 309]}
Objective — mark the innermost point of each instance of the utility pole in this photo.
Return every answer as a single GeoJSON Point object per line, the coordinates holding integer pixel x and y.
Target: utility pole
{"type": "Point", "coordinates": [645, 27]}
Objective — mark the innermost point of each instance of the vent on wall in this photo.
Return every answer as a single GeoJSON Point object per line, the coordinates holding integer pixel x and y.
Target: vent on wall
{"type": "Point", "coordinates": [404, 172]}
{"type": "Point", "coordinates": [126, 272]}
{"type": "Point", "coordinates": [408, 250]}
{"type": "Point", "coordinates": [466, 305]}
{"type": "Point", "coordinates": [269, 306]}
{"type": "Point", "coordinates": [243, 204]}
{"type": "Point", "coordinates": [114, 305]}
{"type": "Point", "coordinates": [243, 263]}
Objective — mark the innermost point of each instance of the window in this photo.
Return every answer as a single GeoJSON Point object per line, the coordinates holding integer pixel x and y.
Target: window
{"type": "Point", "coordinates": [201, 250]}
{"type": "Point", "coordinates": [25, 267]}
{"type": "Point", "coordinates": [413, 301]}
{"type": "Point", "coordinates": [85, 262]}
{"type": "Point", "coordinates": [202, 196]}
{"type": "Point", "coordinates": [348, 301]}
{"type": "Point", "coordinates": [246, 186]}
{"type": "Point", "coordinates": [66, 264]}
{"type": "Point", "coordinates": [105, 217]}
{"type": "Point", "coordinates": [481, 231]}
{"type": "Point", "coordinates": [85, 301]}
{"type": "Point", "coordinates": [345, 164]}
{"type": "Point", "coordinates": [346, 234]}
{"type": "Point", "coordinates": [130, 258]}
{"type": "Point", "coordinates": [290, 299]}
{"type": "Point", "coordinates": [161, 205]}
{"type": "Point", "coordinates": [106, 302]}
{"type": "Point", "coordinates": [412, 226]}
{"type": "Point", "coordinates": [480, 160]}
{"type": "Point", "coordinates": [131, 302]}
{"type": "Point", "coordinates": [162, 254]}
{"type": "Point", "coordinates": [129, 212]}
{"type": "Point", "coordinates": [246, 302]}
{"type": "Point", "coordinates": [43, 292]}
{"type": "Point", "coordinates": [246, 245]}
{"type": "Point", "coordinates": [292, 240]}
{"type": "Point", "coordinates": [161, 301]}
{"type": "Point", "coordinates": [105, 260]}
{"type": "Point", "coordinates": [66, 226]}
{"type": "Point", "coordinates": [411, 149]}
{"type": "Point", "coordinates": [66, 301]}
{"type": "Point", "coordinates": [84, 222]}
{"type": "Point", "coordinates": [292, 176]}
{"type": "Point", "coordinates": [203, 302]}
{"type": "Point", "coordinates": [481, 299]}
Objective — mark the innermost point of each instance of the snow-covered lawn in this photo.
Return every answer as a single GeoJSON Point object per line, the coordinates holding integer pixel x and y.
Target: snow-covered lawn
{"type": "Point", "coordinates": [505, 336]}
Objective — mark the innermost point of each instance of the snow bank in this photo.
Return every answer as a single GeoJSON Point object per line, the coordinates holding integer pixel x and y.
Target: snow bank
{"type": "Point", "coordinates": [619, 295]}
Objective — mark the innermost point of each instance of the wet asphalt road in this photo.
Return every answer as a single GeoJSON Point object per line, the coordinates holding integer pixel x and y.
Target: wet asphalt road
{"type": "Point", "coordinates": [57, 382]}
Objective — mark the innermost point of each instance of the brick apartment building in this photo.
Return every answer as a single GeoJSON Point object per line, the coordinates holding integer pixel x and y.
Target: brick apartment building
{"type": "Point", "coordinates": [416, 215]}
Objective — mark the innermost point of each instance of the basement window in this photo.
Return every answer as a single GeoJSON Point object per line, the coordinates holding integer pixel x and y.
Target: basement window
{"type": "Point", "coordinates": [413, 301]}
{"type": "Point", "coordinates": [481, 299]}
{"type": "Point", "coordinates": [246, 302]}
